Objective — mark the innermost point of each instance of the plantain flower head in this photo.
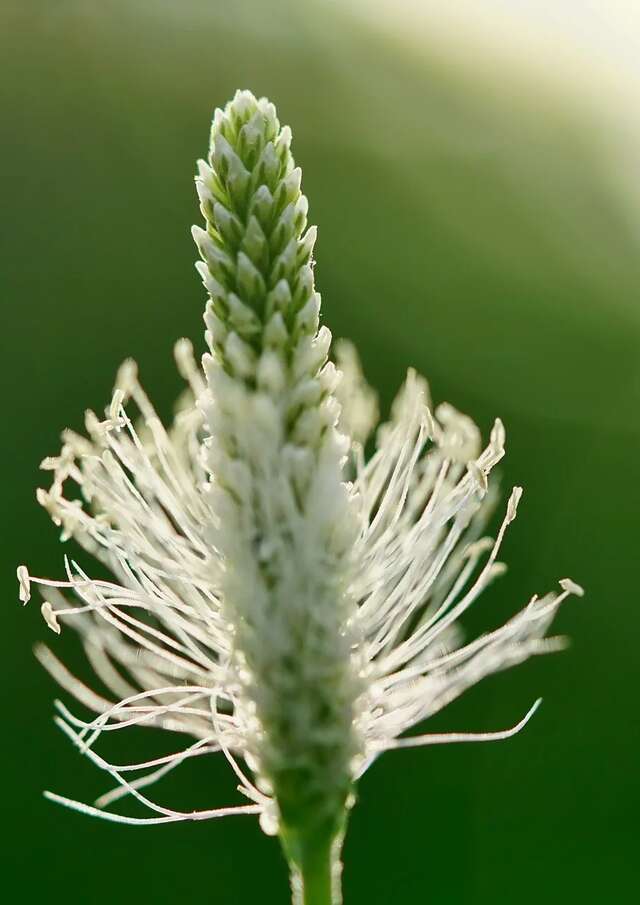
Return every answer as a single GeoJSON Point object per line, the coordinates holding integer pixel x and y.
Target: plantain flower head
{"type": "Point", "coordinates": [275, 596]}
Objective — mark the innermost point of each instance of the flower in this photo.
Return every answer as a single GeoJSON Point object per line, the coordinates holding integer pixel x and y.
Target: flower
{"type": "Point", "coordinates": [275, 597]}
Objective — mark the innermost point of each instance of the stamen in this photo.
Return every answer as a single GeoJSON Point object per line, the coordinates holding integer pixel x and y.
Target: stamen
{"type": "Point", "coordinates": [454, 737]}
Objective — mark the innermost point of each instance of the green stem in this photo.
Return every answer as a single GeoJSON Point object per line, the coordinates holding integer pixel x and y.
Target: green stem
{"type": "Point", "coordinates": [317, 875]}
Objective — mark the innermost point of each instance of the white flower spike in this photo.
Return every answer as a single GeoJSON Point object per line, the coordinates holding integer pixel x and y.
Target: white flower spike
{"type": "Point", "coordinates": [275, 597]}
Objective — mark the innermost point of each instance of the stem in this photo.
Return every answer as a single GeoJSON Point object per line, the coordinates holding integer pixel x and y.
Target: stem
{"type": "Point", "coordinates": [318, 880]}
{"type": "Point", "coordinates": [315, 880]}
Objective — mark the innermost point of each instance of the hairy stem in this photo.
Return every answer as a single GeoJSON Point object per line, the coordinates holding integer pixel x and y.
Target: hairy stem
{"type": "Point", "coordinates": [316, 879]}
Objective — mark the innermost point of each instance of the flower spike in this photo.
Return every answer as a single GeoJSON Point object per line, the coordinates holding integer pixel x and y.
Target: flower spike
{"type": "Point", "coordinates": [276, 597]}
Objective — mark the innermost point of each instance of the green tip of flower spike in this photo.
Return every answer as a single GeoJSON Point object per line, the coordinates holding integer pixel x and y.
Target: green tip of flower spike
{"type": "Point", "coordinates": [256, 255]}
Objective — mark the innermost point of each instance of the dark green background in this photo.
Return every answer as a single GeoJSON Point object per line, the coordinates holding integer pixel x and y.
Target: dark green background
{"type": "Point", "coordinates": [468, 227]}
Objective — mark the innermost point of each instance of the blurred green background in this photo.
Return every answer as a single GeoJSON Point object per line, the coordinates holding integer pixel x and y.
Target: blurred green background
{"type": "Point", "coordinates": [469, 226]}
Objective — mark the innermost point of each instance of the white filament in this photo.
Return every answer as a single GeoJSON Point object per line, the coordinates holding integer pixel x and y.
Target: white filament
{"type": "Point", "coordinates": [157, 635]}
